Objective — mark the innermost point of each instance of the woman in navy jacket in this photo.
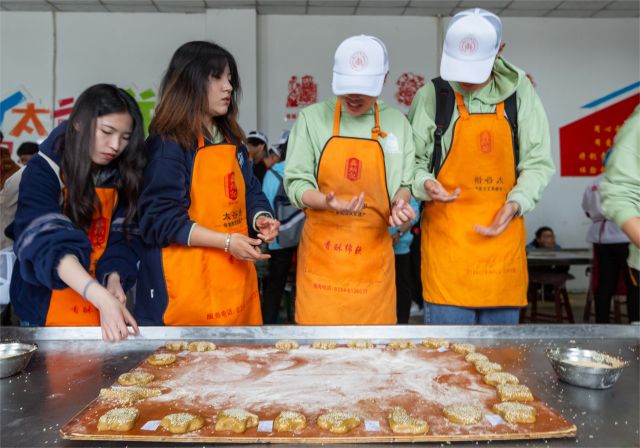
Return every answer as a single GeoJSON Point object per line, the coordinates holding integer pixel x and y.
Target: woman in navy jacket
{"type": "Point", "coordinates": [200, 200]}
{"type": "Point", "coordinates": [74, 236]}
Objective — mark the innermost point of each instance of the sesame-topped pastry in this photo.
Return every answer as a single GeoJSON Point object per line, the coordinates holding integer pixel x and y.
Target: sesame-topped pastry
{"type": "Point", "coordinates": [514, 392]}
{"type": "Point", "coordinates": [463, 414]}
{"type": "Point", "coordinates": [360, 344]}
{"type": "Point", "coordinates": [181, 422]}
{"type": "Point", "coordinates": [176, 346]}
{"type": "Point", "coordinates": [323, 345]}
{"type": "Point", "coordinates": [135, 378]}
{"type": "Point", "coordinates": [495, 378]}
{"type": "Point", "coordinates": [475, 357]}
{"type": "Point", "coordinates": [463, 348]}
{"type": "Point", "coordinates": [401, 422]}
{"type": "Point", "coordinates": [235, 420]}
{"type": "Point", "coordinates": [286, 345]}
{"type": "Point", "coordinates": [515, 412]}
{"type": "Point", "coordinates": [161, 359]}
{"type": "Point", "coordinates": [435, 343]}
{"type": "Point", "coordinates": [400, 344]}
{"type": "Point", "coordinates": [338, 421]}
{"type": "Point", "coordinates": [118, 419]}
{"type": "Point", "coordinates": [129, 394]}
{"type": "Point", "coordinates": [290, 421]}
{"type": "Point", "coordinates": [485, 367]}
{"type": "Point", "coordinates": [201, 346]}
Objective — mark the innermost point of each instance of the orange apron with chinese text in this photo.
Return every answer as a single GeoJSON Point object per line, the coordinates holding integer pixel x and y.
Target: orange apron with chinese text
{"type": "Point", "coordinates": [207, 286]}
{"type": "Point", "coordinates": [460, 267]}
{"type": "Point", "coordinates": [67, 308]}
{"type": "Point", "coordinates": [346, 271]}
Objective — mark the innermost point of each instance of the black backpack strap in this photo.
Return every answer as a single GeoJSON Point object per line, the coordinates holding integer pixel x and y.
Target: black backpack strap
{"type": "Point", "coordinates": [511, 109]}
{"type": "Point", "coordinates": [278, 176]}
{"type": "Point", "coordinates": [445, 102]}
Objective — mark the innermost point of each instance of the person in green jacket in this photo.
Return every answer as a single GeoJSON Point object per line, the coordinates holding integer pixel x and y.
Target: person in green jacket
{"type": "Point", "coordinates": [478, 180]}
{"type": "Point", "coordinates": [349, 166]}
{"type": "Point", "coordinates": [620, 194]}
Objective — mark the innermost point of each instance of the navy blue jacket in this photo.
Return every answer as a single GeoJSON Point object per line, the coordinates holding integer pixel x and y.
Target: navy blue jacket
{"type": "Point", "coordinates": [163, 209]}
{"type": "Point", "coordinates": [43, 234]}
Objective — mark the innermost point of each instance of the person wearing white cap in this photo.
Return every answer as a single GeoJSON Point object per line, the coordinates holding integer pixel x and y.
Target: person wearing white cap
{"type": "Point", "coordinates": [482, 161]}
{"type": "Point", "coordinates": [257, 144]}
{"type": "Point", "coordinates": [349, 165]}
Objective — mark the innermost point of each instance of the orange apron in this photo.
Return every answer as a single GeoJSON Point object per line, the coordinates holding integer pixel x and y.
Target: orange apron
{"type": "Point", "coordinates": [67, 308]}
{"type": "Point", "coordinates": [460, 267]}
{"type": "Point", "coordinates": [207, 286]}
{"type": "Point", "coordinates": [346, 271]}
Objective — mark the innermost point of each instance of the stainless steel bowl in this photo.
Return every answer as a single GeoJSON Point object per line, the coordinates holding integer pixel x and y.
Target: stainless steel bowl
{"type": "Point", "coordinates": [14, 357]}
{"type": "Point", "coordinates": [580, 367]}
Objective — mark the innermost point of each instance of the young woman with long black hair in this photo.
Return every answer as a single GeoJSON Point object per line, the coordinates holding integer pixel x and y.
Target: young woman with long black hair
{"type": "Point", "coordinates": [74, 227]}
{"type": "Point", "coordinates": [200, 200]}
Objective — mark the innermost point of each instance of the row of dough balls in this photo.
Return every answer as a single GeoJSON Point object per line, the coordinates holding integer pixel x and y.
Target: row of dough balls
{"type": "Point", "coordinates": [335, 421]}
{"type": "Point", "coordinates": [400, 344]}
{"type": "Point", "coordinates": [239, 420]}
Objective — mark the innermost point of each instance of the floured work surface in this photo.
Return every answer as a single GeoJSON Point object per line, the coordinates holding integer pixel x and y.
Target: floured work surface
{"type": "Point", "coordinates": [364, 382]}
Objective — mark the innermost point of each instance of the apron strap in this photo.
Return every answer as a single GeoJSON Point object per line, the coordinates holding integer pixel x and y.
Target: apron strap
{"type": "Point", "coordinates": [500, 109]}
{"type": "Point", "coordinates": [375, 131]}
{"type": "Point", "coordinates": [462, 110]}
{"type": "Point", "coordinates": [200, 140]}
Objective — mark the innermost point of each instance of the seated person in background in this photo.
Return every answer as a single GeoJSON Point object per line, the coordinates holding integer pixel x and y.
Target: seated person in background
{"type": "Point", "coordinates": [27, 150]}
{"type": "Point", "coordinates": [544, 239]}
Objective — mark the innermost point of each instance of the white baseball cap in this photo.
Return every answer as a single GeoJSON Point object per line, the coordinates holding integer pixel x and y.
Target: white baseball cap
{"type": "Point", "coordinates": [360, 65]}
{"type": "Point", "coordinates": [257, 135]}
{"type": "Point", "coordinates": [470, 46]}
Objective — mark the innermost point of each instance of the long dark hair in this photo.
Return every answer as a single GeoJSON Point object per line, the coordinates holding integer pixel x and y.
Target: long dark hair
{"type": "Point", "coordinates": [182, 112]}
{"type": "Point", "coordinates": [75, 148]}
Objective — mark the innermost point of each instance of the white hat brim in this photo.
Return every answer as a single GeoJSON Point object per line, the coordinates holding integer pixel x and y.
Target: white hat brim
{"type": "Point", "coordinates": [473, 72]}
{"type": "Point", "coordinates": [370, 85]}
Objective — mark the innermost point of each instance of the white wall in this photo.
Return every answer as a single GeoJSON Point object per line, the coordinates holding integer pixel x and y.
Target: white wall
{"type": "Point", "coordinates": [305, 45]}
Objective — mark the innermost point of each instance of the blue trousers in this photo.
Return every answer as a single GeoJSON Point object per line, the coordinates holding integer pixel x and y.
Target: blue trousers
{"type": "Point", "coordinates": [457, 315]}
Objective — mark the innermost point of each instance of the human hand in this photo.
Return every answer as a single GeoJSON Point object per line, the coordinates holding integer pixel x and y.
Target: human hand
{"type": "Point", "coordinates": [438, 193]}
{"type": "Point", "coordinates": [354, 205]}
{"type": "Point", "coordinates": [267, 228]}
{"type": "Point", "coordinates": [114, 315]}
{"type": "Point", "coordinates": [115, 288]}
{"type": "Point", "coordinates": [246, 249]}
{"type": "Point", "coordinates": [501, 220]}
{"type": "Point", "coordinates": [401, 212]}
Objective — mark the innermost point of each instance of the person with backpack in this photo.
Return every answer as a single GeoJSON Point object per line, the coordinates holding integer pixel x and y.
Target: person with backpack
{"type": "Point", "coordinates": [482, 161]}
{"type": "Point", "coordinates": [284, 247]}
{"type": "Point", "coordinates": [350, 166]}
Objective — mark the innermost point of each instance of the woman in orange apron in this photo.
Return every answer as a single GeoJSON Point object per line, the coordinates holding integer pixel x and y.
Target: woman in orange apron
{"type": "Point", "coordinates": [201, 208]}
{"type": "Point", "coordinates": [75, 245]}
{"type": "Point", "coordinates": [349, 166]}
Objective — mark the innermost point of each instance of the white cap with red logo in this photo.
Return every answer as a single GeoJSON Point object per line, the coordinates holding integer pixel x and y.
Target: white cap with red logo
{"type": "Point", "coordinates": [470, 46]}
{"type": "Point", "coordinates": [360, 66]}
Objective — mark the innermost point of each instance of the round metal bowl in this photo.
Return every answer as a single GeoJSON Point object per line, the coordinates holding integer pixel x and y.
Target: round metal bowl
{"type": "Point", "coordinates": [585, 368]}
{"type": "Point", "coordinates": [14, 357]}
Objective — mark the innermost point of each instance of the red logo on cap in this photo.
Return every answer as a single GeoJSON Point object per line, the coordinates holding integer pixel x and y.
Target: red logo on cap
{"type": "Point", "coordinates": [468, 45]}
{"type": "Point", "coordinates": [230, 187]}
{"type": "Point", "coordinates": [352, 169]}
{"type": "Point", "coordinates": [359, 61]}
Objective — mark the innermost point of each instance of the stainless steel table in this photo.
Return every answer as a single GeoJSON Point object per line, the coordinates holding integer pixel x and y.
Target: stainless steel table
{"type": "Point", "coordinates": [72, 364]}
